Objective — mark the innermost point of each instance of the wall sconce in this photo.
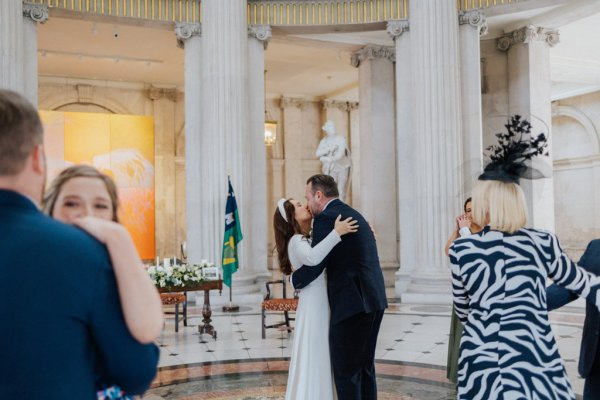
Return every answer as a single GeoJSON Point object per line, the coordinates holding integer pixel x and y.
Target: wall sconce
{"type": "Point", "coordinates": [270, 131]}
{"type": "Point", "coordinates": [270, 123]}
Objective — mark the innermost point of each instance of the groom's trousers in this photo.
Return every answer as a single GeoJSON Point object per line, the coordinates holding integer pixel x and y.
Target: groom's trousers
{"type": "Point", "coordinates": [352, 347]}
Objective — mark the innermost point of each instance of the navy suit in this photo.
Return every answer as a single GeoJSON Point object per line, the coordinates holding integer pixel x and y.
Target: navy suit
{"type": "Point", "coordinates": [589, 361]}
{"type": "Point", "coordinates": [356, 292]}
{"type": "Point", "coordinates": [62, 322]}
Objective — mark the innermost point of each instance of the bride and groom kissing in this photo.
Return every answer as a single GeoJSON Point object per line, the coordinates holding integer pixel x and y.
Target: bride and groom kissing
{"type": "Point", "coordinates": [340, 310]}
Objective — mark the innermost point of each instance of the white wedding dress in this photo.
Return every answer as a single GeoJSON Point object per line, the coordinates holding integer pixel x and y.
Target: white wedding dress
{"type": "Point", "coordinates": [310, 376]}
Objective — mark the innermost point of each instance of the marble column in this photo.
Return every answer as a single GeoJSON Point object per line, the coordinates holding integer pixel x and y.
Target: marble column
{"type": "Point", "coordinates": [338, 112]}
{"type": "Point", "coordinates": [295, 181]}
{"type": "Point", "coordinates": [224, 119]}
{"type": "Point", "coordinates": [405, 149]}
{"type": "Point", "coordinates": [256, 169]}
{"type": "Point", "coordinates": [11, 45]}
{"type": "Point", "coordinates": [189, 37]}
{"type": "Point", "coordinates": [354, 143]}
{"type": "Point", "coordinates": [436, 125]}
{"type": "Point", "coordinates": [472, 25]}
{"type": "Point", "coordinates": [34, 14]}
{"type": "Point", "coordinates": [529, 96]}
{"type": "Point", "coordinates": [164, 104]}
{"type": "Point", "coordinates": [378, 196]}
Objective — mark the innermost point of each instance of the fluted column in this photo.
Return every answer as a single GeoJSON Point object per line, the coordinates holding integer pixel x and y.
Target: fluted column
{"type": "Point", "coordinates": [189, 37]}
{"type": "Point", "coordinates": [224, 120]}
{"type": "Point", "coordinates": [405, 149]}
{"type": "Point", "coordinates": [34, 14]}
{"type": "Point", "coordinates": [529, 96]}
{"type": "Point", "coordinates": [436, 122]}
{"type": "Point", "coordinates": [295, 181]}
{"type": "Point", "coordinates": [378, 196]}
{"type": "Point", "coordinates": [354, 127]}
{"type": "Point", "coordinates": [472, 26]}
{"type": "Point", "coordinates": [164, 102]}
{"type": "Point", "coordinates": [11, 45]}
{"type": "Point", "coordinates": [256, 167]}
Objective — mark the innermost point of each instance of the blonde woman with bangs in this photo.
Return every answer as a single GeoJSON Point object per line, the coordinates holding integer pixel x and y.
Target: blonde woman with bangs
{"type": "Point", "coordinates": [508, 350]}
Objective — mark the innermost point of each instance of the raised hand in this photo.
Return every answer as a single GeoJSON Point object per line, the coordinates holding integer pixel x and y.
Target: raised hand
{"type": "Point", "coordinates": [463, 221]}
{"type": "Point", "coordinates": [348, 225]}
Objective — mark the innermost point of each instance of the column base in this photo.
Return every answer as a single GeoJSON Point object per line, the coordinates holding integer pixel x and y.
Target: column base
{"type": "Point", "coordinates": [389, 270]}
{"type": "Point", "coordinates": [423, 289]}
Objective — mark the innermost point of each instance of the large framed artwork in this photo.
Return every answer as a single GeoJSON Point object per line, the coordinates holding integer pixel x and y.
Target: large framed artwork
{"type": "Point", "coordinates": [121, 146]}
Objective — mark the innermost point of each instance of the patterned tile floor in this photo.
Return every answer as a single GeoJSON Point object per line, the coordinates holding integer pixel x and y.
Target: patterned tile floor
{"type": "Point", "coordinates": [411, 355]}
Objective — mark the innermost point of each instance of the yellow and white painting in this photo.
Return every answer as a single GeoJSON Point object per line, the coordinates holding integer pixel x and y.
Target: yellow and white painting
{"type": "Point", "coordinates": [121, 146]}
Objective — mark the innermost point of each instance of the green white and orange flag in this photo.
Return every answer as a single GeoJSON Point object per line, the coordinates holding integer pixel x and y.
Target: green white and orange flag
{"type": "Point", "coordinates": [232, 236]}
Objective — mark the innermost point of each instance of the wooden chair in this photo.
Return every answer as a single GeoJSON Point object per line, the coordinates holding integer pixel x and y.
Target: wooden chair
{"type": "Point", "coordinates": [176, 299]}
{"type": "Point", "coordinates": [283, 304]}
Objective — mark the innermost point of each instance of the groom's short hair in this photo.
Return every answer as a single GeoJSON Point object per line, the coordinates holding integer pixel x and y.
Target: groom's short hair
{"type": "Point", "coordinates": [20, 131]}
{"type": "Point", "coordinates": [324, 183]}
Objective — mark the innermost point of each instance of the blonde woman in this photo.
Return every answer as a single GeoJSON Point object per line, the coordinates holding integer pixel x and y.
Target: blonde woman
{"type": "Point", "coordinates": [508, 350]}
{"type": "Point", "coordinates": [83, 196]}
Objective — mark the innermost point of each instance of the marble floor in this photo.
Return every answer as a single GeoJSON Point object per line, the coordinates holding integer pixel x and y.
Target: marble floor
{"type": "Point", "coordinates": [411, 355]}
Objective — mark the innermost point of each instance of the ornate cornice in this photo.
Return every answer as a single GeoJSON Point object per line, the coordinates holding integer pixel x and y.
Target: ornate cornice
{"type": "Point", "coordinates": [528, 34]}
{"type": "Point", "coordinates": [156, 93]}
{"type": "Point", "coordinates": [396, 28]}
{"type": "Point", "coordinates": [476, 19]}
{"type": "Point", "coordinates": [371, 52]}
{"type": "Point", "coordinates": [288, 102]}
{"type": "Point", "coordinates": [340, 105]}
{"type": "Point", "coordinates": [37, 12]}
{"type": "Point", "coordinates": [185, 30]}
{"type": "Point", "coordinates": [261, 33]}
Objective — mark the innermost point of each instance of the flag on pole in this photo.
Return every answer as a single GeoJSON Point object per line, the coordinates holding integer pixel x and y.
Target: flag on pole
{"type": "Point", "coordinates": [232, 236]}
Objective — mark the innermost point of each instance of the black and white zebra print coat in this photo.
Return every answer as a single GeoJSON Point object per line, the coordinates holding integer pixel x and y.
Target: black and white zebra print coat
{"type": "Point", "coordinates": [508, 350]}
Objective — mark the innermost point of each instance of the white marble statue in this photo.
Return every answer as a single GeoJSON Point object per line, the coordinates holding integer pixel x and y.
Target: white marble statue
{"type": "Point", "coordinates": [335, 156]}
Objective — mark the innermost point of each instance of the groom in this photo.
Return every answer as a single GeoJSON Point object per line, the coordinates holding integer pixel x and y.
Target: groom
{"type": "Point", "coordinates": [355, 289]}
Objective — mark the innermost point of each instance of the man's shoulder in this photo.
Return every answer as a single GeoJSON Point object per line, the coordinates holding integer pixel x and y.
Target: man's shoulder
{"type": "Point", "coordinates": [57, 236]}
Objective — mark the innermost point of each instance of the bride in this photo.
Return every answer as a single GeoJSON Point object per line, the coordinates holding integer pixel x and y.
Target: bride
{"type": "Point", "coordinates": [310, 374]}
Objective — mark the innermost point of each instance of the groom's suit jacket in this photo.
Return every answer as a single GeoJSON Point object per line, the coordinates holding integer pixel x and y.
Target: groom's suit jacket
{"type": "Point", "coordinates": [62, 324]}
{"type": "Point", "coordinates": [558, 296]}
{"type": "Point", "coordinates": [354, 278]}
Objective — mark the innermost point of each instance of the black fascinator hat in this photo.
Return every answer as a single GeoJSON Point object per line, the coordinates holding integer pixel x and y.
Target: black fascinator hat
{"type": "Point", "coordinates": [511, 158]}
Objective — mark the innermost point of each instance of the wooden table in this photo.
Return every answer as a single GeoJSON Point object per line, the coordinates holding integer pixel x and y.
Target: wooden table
{"type": "Point", "coordinates": [205, 286]}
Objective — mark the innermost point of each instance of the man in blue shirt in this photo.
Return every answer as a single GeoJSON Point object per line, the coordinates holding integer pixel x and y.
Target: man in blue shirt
{"type": "Point", "coordinates": [63, 330]}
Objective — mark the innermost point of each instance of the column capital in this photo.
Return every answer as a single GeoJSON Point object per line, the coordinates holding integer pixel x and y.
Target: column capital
{"type": "Point", "coordinates": [261, 33]}
{"type": "Point", "coordinates": [340, 105]}
{"type": "Point", "coordinates": [475, 18]}
{"type": "Point", "coordinates": [396, 28]}
{"type": "Point", "coordinates": [37, 12]}
{"type": "Point", "coordinates": [352, 105]}
{"type": "Point", "coordinates": [371, 52]}
{"type": "Point", "coordinates": [528, 34]}
{"type": "Point", "coordinates": [156, 93]}
{"type": "Point", "coordinates": [289, 102]}
{"type": "Point", "coordinates": [185, 30]}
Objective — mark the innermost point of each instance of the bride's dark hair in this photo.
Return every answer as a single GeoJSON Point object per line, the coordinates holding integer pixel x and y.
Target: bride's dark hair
{"type": "Point", "coordinates": [283, 233]}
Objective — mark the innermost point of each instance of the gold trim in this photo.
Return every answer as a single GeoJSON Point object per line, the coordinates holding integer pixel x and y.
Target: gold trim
{"type": "Point", "coordinates": [271, 12]}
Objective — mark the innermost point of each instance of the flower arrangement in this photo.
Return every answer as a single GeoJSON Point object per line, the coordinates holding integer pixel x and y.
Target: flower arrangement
{"type": "Point", "coordinates": [178, 275]}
